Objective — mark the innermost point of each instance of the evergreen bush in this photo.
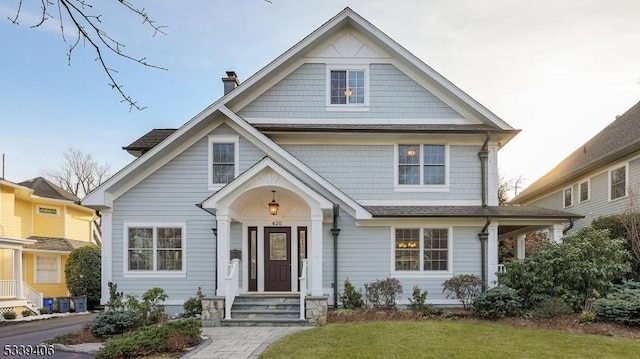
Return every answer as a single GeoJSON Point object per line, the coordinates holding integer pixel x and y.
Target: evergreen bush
{"type": "Point", "coordinates": [83, 272]}
{"type": "Point", "coordinates": [497, 302]}
{"type": "Point", "coordinates": [350, 298]}
{"type": "Point", "coordinates": [621, 306]}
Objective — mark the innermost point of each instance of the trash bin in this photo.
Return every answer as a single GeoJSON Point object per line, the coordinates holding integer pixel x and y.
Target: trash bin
{"type": "Point", "coordinates": [80, 304]}
{"type": "Point", "coordinates": [48, 303]}
{"type": "Point", "coordinates": [63, 304]}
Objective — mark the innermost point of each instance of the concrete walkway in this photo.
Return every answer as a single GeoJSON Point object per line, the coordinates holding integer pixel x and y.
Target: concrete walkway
{"type": "Point", "coordinates": [238, 342]}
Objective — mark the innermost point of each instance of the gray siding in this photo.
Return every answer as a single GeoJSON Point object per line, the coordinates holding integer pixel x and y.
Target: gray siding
{"type": "Point", "coordinates": [598, 203]}
{"type": "Point", "coordinates": [365, 172]}
{"type": "Point", "coordinates": [170, 195]}
{"type": "Point", "coordinates": [302, 94]}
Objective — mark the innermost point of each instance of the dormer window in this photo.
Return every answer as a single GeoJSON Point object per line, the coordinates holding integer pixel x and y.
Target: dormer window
{"type": "Point", "coordinates": [347, 88]}
{"type": "Point", "coordinates": [223, 160]}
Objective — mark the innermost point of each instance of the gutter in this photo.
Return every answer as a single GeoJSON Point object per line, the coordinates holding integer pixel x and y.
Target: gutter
{"type": "Point", "coordinates": [483, 236]}
{"type": "Point", "coordinates": [568, 228]}
{"type": "Point", "coordinates": [484, 156]}
{"type": "Point", "coordinates": [215, 233]}
{"type": "Point", "coordinates": [335, 231]}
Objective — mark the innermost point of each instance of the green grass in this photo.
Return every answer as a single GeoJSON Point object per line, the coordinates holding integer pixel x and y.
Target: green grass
{"type": "Point", "coordinates": [446, 339]}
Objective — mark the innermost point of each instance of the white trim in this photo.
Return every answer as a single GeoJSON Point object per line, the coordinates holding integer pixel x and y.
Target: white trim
{"type": "Point", "coordinates": [420, 273]}
{"type": "Point", "coordinates": [154, 273]}
{"type": "Point", "coordinates": [58, 274]}
{"type": "Point", "coordinates": [588, 182]}
{"type": "Point", "coordinates": [564, 202]}
{"type": "Point", "coordinates": [626, 181]}
{"type": "Point", "coordinates": [347, 67]}
{"type": "Point", "coordinates": [426, 202]}
{"type": "Point", "coordinates": [422, 187]}
{"type": "Point", "coordinates": [236, 165]}
{"type": "Point", "coordinates": [39, 207]}
{"type": "Point", "coordinates": [361, 121]}
{"type": "Point", "coordinates": [107, 254]}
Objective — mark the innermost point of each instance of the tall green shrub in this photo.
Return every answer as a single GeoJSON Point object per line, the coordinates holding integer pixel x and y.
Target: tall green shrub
{"type": "Point", "coordinates": [83, 274]}
{"type": "Point", "coordinates": [351, 298]}
{"type": "Point", "coordinates": [583, 265]}
{"type": "Point", "coordinates": [618, 226]}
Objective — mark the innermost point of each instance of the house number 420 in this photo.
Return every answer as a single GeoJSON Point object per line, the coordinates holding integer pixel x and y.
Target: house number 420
{"type": "Point", "coordinates": [276, 223]}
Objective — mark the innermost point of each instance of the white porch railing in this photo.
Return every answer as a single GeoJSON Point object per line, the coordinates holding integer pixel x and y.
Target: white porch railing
{"type": "Point", "coordinates": [8, 288]}
{"type": "Point", "coordinates": [501, 268]}
{"type": "Point", "coordinates": [303, 288]}
{"type": "Point", "coordinates": [231, 287]}
{"type": "Point", "coordinates": [30, 294]}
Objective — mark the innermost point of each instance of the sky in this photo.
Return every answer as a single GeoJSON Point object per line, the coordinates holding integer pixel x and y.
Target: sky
{"type": "Point", "coordinates": [558, 70]}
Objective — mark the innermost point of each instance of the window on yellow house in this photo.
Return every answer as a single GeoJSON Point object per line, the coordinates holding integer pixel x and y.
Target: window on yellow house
{"type": "Point", "coordinates": [47, 269]}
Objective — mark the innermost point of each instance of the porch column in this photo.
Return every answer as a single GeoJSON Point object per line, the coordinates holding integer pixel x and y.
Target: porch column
{"type": "Point", "coordinates": [520, 246]}
{"type": "Point", "coordinates": [492, 256]}
{"type": "Point", "coordinates": [316, 255]}
{"type": "Point", "coordinates": [222, 252]}
{"type": "Point", "coordinates": [17, 271]}
{"type": "Point", "coordinates": [106, 270]}
{"type": "Point", "coordinates": [555, 232]}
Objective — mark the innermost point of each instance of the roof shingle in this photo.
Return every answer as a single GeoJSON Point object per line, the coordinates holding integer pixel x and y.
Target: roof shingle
{"type": "Point", "coordinates": [43, 188]}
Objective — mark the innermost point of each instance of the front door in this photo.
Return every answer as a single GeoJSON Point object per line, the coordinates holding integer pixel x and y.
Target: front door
{"type": "Point", "coordinates": [277, 259]}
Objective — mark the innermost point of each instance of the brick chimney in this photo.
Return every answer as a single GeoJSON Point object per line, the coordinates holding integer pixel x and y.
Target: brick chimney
{"type": "Point", "coordinates": [230, 82]}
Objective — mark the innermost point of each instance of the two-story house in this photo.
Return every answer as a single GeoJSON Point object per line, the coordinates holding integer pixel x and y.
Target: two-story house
{"type": "Point", "coordinates": [40, 224]}
{"type": "Point", "coordinates": [599, 178]}
{"type": "Point", "coordinates": [345, 157]}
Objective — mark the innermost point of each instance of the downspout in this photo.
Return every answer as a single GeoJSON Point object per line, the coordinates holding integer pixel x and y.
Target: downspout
{"type": "Point", "coordinates": [564, 231]}
{"type": "Point", "coordinates": [215, 233]}
{"type": "Point", "coordinates": [335, 231]}
{"type": "Point", "coordinates": [483, 236]}
{"type": "Point", "coordinates": [484, 156]}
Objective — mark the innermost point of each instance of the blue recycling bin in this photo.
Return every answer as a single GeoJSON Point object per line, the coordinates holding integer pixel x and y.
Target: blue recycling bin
{"type": "Point", "coordinates": [80, 304]}
{"type": "Point", "coordinates": [63, 304]}
{"type": "Point", "coordinates": [48, 303]}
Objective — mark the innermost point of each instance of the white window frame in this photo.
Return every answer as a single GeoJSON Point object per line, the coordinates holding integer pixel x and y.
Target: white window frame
{"type": "Point", "coordinates": [348, 106]}
{"type": "Point", "coordinates": [58, 275]}
{"type": "Point", "coordinates": [626, 181]}
{"type": "Point", "coordinates": [422, 187]}
{"type": "Point", "coordinates": [57, 209]}
{"type": "Point", "coordinates": [588, 183]}
{"type": "Point", "coordinates": [155, 273]}
{"type": "Point", "coordinates": [564, 198]}
{"type": "Point", "coordinates": [421, 273]}
{"type": "Point", "coordinates": [222, 139]}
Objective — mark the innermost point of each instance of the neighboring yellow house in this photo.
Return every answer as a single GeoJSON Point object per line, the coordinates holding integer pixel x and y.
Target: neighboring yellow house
{"type": "Point", "coordinates": [40, 224]}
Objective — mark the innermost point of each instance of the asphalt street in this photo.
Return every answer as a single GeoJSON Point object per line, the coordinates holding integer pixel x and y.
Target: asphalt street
{"type": "Point", "coordinates": [31, 334]}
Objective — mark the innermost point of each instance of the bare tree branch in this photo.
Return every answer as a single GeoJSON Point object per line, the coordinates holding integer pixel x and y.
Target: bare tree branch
{"type": "Point", "coordinates": [89, 31]}
{"type": "Point", "coordinates": [79, 173]}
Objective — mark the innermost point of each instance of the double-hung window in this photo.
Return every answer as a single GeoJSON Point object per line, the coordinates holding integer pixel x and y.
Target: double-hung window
{"type": "Point", "coordinates": [584, 191]}
{"type": "Point", "coordinates": [422, 165]}
{"type": "Point", "coordinates": [223, 160]}
{"type": "Point", "coordinates": [568, 197]}
{"type": "Point", "coordinates": [155, 248]}
{"type": "Point", "coordinates": [618, 183]}
{"type": "Point", "coordinates": [347, 87]}
{"type": "Point", "coordinates": [47, 269]}
{"type": "Point", "coordinates": [422, 250]}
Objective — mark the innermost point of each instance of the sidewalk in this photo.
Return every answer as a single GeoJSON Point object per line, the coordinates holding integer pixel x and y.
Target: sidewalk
{"type": "Point", "coordinates": [238, 342]}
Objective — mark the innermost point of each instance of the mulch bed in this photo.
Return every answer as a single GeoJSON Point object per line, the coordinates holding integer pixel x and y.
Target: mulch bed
{"type": "Point", "coordinates": [566, 323]}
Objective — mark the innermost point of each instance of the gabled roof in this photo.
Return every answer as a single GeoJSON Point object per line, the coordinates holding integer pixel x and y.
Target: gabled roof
{"type": "Point", "coordinates": [55, 244]}
{"type": "Point", "coordinates": [136, 171]}
{"type": "Point", "coordinates": [618, 140]}
{"type": "Point", "coordinates": [44, 188]}
{"type": "Point", "coordinates": [148, 141]}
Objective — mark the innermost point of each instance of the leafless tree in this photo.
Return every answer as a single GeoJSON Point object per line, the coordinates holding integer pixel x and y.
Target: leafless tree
{"type": "Point", "coordinates": [79, 173]}
{"type": "Point", "coordinates": [630, 221]}
{"type": "Point", "coordinates": [506, 187]}
{"type": "Point", "coordinates": [87, 29]}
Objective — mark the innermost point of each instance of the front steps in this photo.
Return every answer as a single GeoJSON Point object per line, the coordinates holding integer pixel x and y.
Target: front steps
{"type": "Point", "coordinates": [265, 310]}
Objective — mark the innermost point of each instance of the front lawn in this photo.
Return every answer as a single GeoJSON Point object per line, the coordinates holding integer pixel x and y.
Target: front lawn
{"type": "Point", "coordinates": [446, 339]}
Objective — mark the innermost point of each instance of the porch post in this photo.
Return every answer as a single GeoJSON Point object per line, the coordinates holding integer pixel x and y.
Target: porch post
{"type": "Point", "coordinates": [107, 253]}
{"type": "Point", "coordinates": [222, 252]}
{"type": "Point", "coordinates": [17, 271]}
{"type": "Point", "coordinates": [316, 255]}
{"type": "Point", "coordinates": [520, 246]}
{"type": "Point", "coordinates": [555, 232]}
{"type": "Point", "coordinates": [492, 256]}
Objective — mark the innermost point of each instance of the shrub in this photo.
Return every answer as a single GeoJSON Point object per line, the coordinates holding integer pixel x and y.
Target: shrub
{"type": "Point", "coordinates": [464, 287]}
{"type": "Point", "coordinates": [382, 293]}
{"type": "Point", "coordinates": [497, 302]}
{"type": "Point", "coordinates": [350, 298]}
{"type": "Point", "coordinates": [83, 272]}
{"type": "Point", "coordinates": [149, 310]}
{"type": "Point", "coordinates": [43, 310]}
{"type": "Point", "coordinates": [193, 306]}
{"type": "Point", "coordinates": [619, 226]}
{"type": "Point", "coordinates": [164, 338]}
{"type": "Point", "coordinates": [9, 315]}
{"type": "Point", "coordinates": [585, 262]}
{"type": "Point", "coordinates": [621, 306]}
{"type": "Point", "coordinates": [116, 301]}
{"type": "Point", "coordinates": [418, 300]}
{"type": "Point", "coordinates": [113, 322]}
{"type": "Point", "coordinates": [587, 317]}
{"type": "Point", "coordinates": [550, 308]}
{"type": "Point", "coordinates": [26, 313]}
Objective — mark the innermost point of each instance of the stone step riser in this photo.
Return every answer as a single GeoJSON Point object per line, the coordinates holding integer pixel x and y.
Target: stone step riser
{"type": "Point", "coordinates": [268, 300]}
{"type": "Point", "coordinates": [263, 307]}
{"type": "Point", "coordinates": [289, 315]}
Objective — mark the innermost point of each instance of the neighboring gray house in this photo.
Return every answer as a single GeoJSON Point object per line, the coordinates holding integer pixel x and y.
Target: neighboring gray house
{"type": "Point", "coordinates": [346, 153]}
{"type": "Point", "coordinates": [599, 178]}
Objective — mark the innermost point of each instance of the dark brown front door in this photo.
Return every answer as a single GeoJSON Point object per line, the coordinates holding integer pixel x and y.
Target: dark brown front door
{"type": "Point", "coordinates": [277, 259]}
